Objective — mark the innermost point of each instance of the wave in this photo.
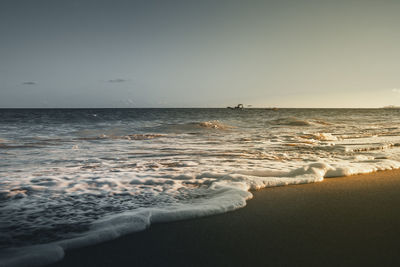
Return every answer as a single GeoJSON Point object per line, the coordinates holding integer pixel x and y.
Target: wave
{"type": "Point", "coordinates": [40, 143]}
{"type": "Point", "coordinates": [320, 136]}
{"type": "Point", "coordinates": [194, 127]}
{"type": "Point", "coordinates": [215, 124]}
{"type": "Point", "coordinates": [369, 147]}
{"type": "Point", "coordinates": [127, 137]}
{"type": "Point", "coordinates": [293, 121]}
{"type": "Point", "coordinates": [228, 192]}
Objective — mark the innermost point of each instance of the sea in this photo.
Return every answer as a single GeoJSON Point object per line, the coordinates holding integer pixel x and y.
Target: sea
{"type": "Point", "coordinates": [76, 177]}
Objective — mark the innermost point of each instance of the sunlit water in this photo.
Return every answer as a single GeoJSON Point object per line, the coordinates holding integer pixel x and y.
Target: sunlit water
{"type": "Point", "coordinates": [75, 177]}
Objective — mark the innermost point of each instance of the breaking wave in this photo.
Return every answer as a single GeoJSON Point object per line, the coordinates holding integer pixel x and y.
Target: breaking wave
{"type": "Point", "coordinates": [214, 125]}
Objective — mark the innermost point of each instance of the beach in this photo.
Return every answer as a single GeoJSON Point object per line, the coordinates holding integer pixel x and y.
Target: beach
{"type": "Point", "coordinates": [338, 222]}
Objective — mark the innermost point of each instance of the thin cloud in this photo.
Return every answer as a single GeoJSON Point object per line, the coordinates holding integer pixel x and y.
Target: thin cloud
{"type": "Point", "coordinates": [117, 80]}
{"type": "Point", "coordinates": [396, 90]}
{"type": "Point", "coordinates": [29, 83]}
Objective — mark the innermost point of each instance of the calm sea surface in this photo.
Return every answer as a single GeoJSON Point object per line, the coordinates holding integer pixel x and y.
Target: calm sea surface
{"type": "Point", "coordinates": [72, 177]}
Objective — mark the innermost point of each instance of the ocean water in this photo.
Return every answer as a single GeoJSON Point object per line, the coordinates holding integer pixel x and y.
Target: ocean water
{"type": "Point", "coordinates": [74, 177]}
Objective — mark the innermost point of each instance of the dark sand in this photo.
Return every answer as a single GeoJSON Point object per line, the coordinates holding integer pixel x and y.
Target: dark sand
{"type": "Point", "coordinates": [339, 222]}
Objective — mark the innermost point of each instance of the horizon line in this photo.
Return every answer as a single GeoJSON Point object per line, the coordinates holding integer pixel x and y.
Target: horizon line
{"type": "Point", "coordinates": [384, 107]}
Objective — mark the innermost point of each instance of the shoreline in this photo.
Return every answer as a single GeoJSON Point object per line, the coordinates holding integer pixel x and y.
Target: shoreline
{"type": "Point", "coordinates": [340, 221]}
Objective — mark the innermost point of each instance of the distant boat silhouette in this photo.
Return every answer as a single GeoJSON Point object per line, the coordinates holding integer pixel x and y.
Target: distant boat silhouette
{"type": "Point", "coordinates": [239, 106]}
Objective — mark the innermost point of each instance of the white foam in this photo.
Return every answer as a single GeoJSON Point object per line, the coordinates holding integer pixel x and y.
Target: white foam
{"type": "Point", "coordinates": [230, 192]}
{"type": "Point", "coordinates": [321, 137]}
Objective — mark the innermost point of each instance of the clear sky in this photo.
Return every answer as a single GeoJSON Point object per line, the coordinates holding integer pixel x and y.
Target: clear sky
{"type": "Point", "coordinates": [169, 53]}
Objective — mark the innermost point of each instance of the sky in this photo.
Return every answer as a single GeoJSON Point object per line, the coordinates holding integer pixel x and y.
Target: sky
{"type": "Point", "coordinates": [185, 53]}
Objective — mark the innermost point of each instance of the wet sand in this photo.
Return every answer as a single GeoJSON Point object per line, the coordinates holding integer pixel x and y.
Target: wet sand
{"type": "Point", "coordinates": [340, 222]}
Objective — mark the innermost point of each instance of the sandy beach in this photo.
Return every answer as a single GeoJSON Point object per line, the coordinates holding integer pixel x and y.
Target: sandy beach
{"type": "Point", "coordinates": [339, 222]}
